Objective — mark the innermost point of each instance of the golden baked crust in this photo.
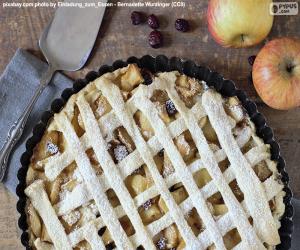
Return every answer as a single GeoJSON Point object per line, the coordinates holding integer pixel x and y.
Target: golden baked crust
{"type": "Point", "coordinates": [199, 194]}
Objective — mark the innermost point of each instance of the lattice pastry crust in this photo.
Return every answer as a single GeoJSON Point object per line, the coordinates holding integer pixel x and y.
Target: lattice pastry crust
{"type": "Point", "coordinates": [152, 164]}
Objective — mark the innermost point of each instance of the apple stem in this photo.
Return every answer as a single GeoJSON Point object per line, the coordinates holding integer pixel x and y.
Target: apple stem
{"type": "Point", "coordinates": [289, 67]}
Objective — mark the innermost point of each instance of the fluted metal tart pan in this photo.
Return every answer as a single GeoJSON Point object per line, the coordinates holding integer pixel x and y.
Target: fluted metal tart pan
{"type": "Point", "coordinates": [159, 64]}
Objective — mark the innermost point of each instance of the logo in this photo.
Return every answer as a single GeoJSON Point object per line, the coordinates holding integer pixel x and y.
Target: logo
{"type": "Point", "coordinates": [284, 8]}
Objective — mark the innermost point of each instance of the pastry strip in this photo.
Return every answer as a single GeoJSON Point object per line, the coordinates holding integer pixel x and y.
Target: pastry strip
{"type": "Point", "coordinates": [111, 172]}
{"type": "Point", "coordinates": [92, 182]}
{"type": "Point", "coordinates": [80, 196]}
{"type": "Point", "coordinates": [114, 97]}
{"type": "Point", "coordinates": [186, 177]}
{"type": "Point", "coordinates": [80, 234]}
{"type": "Point", "coordinates": [39, 199]}
{"type": "Point", "coordinates": [227, 171]}
{"type": "Point", "coordinates": [224, 223]}
{"type": "Point", "coordinates": [238, 216]}
{"type": "Point", "coordinates": [92, 237]}
{"type": "Point", "coordinates": [245, 176]}
{"type": "Point", "coordinates": [55, 164]}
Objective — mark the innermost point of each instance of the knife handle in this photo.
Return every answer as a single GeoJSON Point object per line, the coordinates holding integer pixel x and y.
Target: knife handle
{"type": "Point", "coordinates": [16, 131]}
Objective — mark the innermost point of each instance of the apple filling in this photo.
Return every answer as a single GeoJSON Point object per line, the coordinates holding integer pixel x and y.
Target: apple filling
{"type": "Point", "coordinates": [121, 145]}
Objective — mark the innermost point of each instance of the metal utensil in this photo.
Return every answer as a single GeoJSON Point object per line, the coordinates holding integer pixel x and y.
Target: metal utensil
{"type": "Point", "coordinates": [66, 44]}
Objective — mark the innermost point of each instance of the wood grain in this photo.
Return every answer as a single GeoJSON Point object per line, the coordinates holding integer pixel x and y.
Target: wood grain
{"type": "Point", "coordinates": [9, 231]}
{"type": "Point", "coordinates": [118, 39]}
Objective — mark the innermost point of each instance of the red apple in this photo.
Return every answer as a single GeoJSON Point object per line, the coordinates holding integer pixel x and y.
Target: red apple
{"type": "Point", "coordinates": [276, 73]}
{"type": "Point", "coordinates": [239, 23]}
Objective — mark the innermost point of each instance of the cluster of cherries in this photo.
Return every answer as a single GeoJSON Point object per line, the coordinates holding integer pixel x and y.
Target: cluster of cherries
{"type": "Point", "coordinates": [156, 37]}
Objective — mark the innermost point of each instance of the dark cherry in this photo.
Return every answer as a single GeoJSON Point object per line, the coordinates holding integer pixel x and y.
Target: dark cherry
{"type": "Point", "coordinates": [155, 39]}
{"type": "Point", "coordinates": [136, 17]}
{"type": "Point", "coordinates": [101, 231]}
{"type": "Point", "coordinates": [161, 153]}
{"type": "Point", "coordinates": [182, 25]}
{"type": "Point", "coordinates": [153, 21]}
{"type": "Point", "coordinates": [110, 246]}
{"type": "Point", "coordinates": [251, 60]}
{"type": "Point", "coordinates": [147, 75]}
{"type": "Point", "coordinates": [171, 110]}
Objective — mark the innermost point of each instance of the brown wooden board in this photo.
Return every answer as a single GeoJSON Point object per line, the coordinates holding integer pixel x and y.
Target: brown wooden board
{"type": "Point", "coordinates": [119, 39]}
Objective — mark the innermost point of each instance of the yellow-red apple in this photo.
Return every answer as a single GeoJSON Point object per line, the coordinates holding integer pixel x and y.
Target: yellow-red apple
{"type": "Point", "coordinates": [276, 73]}
{"type": "Point", "coordinates": [239, 23]}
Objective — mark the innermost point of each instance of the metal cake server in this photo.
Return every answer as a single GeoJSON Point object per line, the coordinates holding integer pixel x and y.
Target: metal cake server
{"type": "Point", "coordinates": [66, 44]}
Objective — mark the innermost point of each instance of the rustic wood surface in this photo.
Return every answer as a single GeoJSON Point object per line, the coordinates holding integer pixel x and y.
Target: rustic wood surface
{"type": "Point", "coordinates": [118, 39]}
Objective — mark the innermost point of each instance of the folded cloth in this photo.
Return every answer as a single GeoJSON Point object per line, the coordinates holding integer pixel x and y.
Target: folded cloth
{"type": "Point", "coordinates": [296, 220]}
{"type": "Point", "coordinates": [18, 82]}
{"type": "Point", "coordinates": [17, 85]}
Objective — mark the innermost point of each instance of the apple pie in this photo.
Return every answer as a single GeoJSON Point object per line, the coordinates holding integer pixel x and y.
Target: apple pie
{"type": "Point", "coordinates": [137, 160]}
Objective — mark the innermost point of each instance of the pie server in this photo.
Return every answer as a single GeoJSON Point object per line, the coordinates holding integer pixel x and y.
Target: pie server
{"type": "Point", "coordinates": [66, 44]}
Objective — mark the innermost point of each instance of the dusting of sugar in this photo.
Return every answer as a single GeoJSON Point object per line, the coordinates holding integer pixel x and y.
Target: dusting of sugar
{"type": "Point", "coordinates": [77, 175]}
{"type": "Point", "coordinates": [188, 214]}
{"type": "Point", "coordinates": [65, 179]}
{"type": "Point", "coordinates": [94, 208]}
{"type": "Point", "coordinates": [237, 112]}
{"type": "Point", "coordinates": [181, 140]}
{"type": "Point", "coordinates": [204, 85]}
{"type": "Point", "coordinates": [100, 110]}
{"type": "Point", "coordinates": [159, 107]}
{"type": "Point", "coordinates": [214, 147]}
{"type": "Point", "coordinates": [109, 125]}
{"type": "Point", "coordinates": [147, 204]}
{"type": "Point", "coordinates": [72, 217]}
{"type": "Point", "coordinates": [80, 122]}
{"type": "Point", "coordinates": [167, 171]}
{"type": "Point", "coordinates": [63, 194]}
{"type": "Point", "coordinates": [137, 171]}
{"type": "Point", "coordinates": [161, 244]}
{"type": "Point", "coordinates": [39, 164]}
{"type": "Point", "coordinates": [52, 148]}
{"type": "Point", "coordinates": [30, 210]}
{"type": "Point", "coordinates": [120, 152]}
{"type": "Point", "coordinates": [147, 133]}
{"type": "Point", "coordinates": [88, 214]}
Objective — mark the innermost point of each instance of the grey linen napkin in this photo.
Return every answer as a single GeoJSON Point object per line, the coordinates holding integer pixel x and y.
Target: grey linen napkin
{"type": "Point", "coordinates": [17, 84]}
{"type": "Point", "coordinates": [296, 220]}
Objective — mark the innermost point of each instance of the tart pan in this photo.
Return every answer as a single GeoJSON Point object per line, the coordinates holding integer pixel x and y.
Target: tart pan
{"type": "Point", "coordinates": [159, 64]}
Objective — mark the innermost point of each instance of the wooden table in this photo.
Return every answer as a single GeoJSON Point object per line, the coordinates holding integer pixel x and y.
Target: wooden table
{"type": "Point", "coordinates": [118, 39]}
